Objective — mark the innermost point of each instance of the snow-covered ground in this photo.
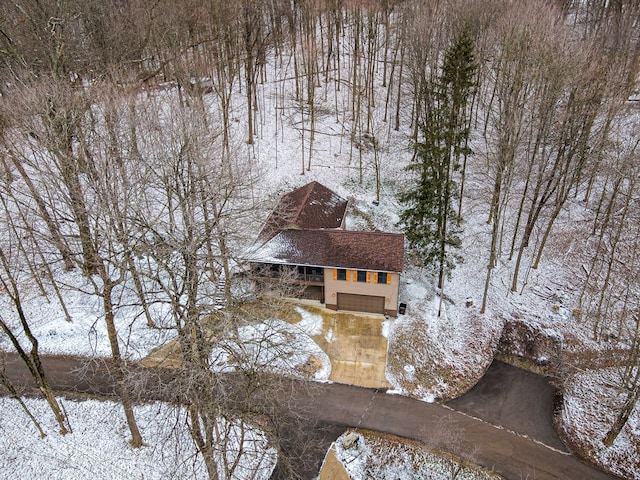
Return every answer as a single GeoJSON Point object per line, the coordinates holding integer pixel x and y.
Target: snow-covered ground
{"type": "Point", "coordinates": [86, 333]}
{"type": "Point", "coordinates": [98, 449]}
{"type": "Point", "coordinates": [587, 417]}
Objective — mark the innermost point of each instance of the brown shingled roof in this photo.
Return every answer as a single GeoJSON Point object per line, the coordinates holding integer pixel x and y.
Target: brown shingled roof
{"type": "Point", "coordinates": [312, 206]}
{"type": "Point", "coordinates": [334, 248]}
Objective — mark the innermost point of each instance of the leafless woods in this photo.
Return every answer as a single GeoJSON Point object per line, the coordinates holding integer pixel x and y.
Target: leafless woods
{"type": "Point", "coordinates": [124, 154]}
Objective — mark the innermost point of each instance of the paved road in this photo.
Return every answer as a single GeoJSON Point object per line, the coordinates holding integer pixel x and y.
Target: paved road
{"type": "Point", "coordinates": [513, 455]}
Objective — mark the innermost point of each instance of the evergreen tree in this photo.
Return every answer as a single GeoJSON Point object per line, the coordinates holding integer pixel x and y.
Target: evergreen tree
{"type": "Point", "coordinates": [430, 219]}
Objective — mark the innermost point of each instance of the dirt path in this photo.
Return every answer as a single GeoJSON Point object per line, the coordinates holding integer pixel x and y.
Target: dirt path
{"type": "Point", "coordinates": [513, 455]}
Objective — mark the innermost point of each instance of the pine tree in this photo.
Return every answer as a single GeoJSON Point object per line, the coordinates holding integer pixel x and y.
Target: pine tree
{"type": "Point", "coordinates": [430, 219]}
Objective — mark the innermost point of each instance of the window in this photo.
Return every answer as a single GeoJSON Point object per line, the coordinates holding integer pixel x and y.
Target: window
{"type": "Point", "coordinates": [382, 277]}
{"type": "Point", "coordinates": [341, 274]}
{"type": "Point", "coordinates": [362, 276]}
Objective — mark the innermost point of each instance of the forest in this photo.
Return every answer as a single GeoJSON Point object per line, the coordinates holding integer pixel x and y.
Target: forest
{"type": "Point", "coordinates": [130, 150]}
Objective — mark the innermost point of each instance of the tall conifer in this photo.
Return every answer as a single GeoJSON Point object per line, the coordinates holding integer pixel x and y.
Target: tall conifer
{"type": "Point", "coordinates": [429, 216]}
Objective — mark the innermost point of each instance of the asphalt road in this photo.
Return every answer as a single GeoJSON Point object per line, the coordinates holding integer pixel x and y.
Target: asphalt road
{"type": "Point", "coordinates": [515, 399]}
{"type": "Point", "coordinates": [504, 423]}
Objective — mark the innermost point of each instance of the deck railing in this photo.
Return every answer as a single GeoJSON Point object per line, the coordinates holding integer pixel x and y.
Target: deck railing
{"type": "Point", "coordinates": [289, 277]}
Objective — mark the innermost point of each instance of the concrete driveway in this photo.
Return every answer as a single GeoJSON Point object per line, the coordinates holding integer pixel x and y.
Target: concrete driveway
{"type": "Point", "coordinates": [355, 345]}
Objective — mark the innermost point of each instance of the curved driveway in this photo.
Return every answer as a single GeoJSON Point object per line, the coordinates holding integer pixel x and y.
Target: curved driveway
{"type": "Point", "coordinates": [513, 455]}
{"type": "Point", "coordinates": [515, 399]}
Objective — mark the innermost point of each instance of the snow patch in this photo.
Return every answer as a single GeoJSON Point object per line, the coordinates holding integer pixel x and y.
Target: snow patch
{"type": "Point", "coordinates": [274, 346]}
{"type": "Point", "coordinates": [311, 323]}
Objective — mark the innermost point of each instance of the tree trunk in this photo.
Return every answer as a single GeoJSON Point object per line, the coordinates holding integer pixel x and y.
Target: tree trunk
{"type": "Point", "coordinates": [204, 447]}
{"type": "Point", "coordinates": [13, 393]}
{"type": "Point", "coordinates": [623, 416]}
{"type": "Point", "coordinates": [135, 276]}
{"type": "Point", "coordinates": [52, 225]}
{"type": "Point", "coordinates": [123, 393]}
{"type": "Point", "coordinates": [77, 204]}
{"type": "Point", "coordinates": [32, 360]}
{"type": "Point", "coordinates": [492, 260]}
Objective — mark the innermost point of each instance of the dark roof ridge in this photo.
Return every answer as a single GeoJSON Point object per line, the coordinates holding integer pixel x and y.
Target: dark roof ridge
{"type": "Point", "coordinates": [309, 188]}
{"type": "Point", "coordinates": [341, 231]}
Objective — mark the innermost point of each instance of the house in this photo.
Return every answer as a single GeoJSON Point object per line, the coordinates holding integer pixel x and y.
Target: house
{"type": "Point", "coordinates": [303, 242]}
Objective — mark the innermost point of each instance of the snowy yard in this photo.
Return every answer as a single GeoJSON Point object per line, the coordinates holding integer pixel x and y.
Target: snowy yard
{"type": "Point", "coordinates": [98, 448]}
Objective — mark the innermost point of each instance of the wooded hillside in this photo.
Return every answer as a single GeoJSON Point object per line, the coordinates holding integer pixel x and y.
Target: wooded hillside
{"type": "Point", "coordinates": [126, 133]}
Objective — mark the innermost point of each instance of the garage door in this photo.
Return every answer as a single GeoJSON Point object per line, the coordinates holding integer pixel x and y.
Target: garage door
{"type": "Point", "coordinates": [360, 303]}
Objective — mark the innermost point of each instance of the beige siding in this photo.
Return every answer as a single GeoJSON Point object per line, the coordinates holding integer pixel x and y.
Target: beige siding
{"type": "Point", "coordinates": [333, 287]}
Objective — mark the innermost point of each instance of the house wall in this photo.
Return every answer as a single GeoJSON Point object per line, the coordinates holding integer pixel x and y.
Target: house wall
{"type": "Point", "coordinates": [332, 287]}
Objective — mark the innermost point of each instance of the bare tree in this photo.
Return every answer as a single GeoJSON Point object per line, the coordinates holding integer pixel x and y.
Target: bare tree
{"type": "Point", "coordinates": [505, 112]}
{"type": "Point", "coordinates": [30, 356]}
{"type": "Point", "coordinates": [187, 221]}
{"type": "Point", "coordinates": [13, 393]}
{"type": "Point", "coordinates": [64, 140]}
{"type": "Point", "coordinates": [254, 36]}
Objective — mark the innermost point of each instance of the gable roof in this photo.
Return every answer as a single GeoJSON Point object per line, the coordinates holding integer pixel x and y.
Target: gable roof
{"type": "Point", "coordinates": [312, 206]}
{"type": "Point", "coordinates": [334, 248]}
